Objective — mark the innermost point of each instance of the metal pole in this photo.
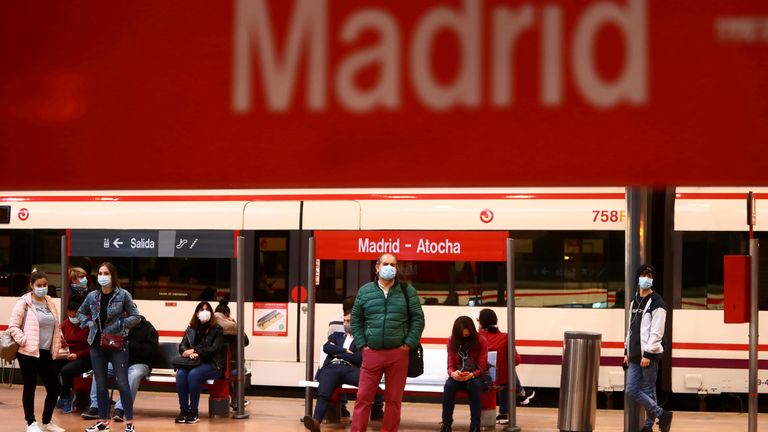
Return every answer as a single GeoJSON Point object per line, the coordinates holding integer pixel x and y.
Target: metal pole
{"type": "Point", "coordinates": [635, 254]}
{"type": "Point", "coordinates": [240, 414]}
{"type": "Point", "coordinates": [310, 358]}
{"type": "Point", "coordinates": [511, 387]}
{"type": "Point", "coordinates": [64, 280]}
{"type": "Point", "coordinates": [753, 334]}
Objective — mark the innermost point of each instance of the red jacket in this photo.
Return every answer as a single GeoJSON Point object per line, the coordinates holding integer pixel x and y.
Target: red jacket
{"type": "Point", "coordinates": [77, 338]}
{"type": "Point", "coordinates": [479, 355]}
{"type": "Point", "coordinates": [498, 342]}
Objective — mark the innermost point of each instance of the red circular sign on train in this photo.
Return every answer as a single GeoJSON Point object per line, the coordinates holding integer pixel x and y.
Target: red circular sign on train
{"type": "Point", "coordinates": [486, 216]}
{"type": "Point", "coordinates": [298, 294]}
{"type": "Point", "coordinates": [23, 214]}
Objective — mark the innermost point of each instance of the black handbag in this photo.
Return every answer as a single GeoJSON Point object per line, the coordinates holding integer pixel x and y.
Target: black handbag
{"type": "Point", "coordinates": [180, 362]}
{"type": "Point", "coordinates": [415, 355]}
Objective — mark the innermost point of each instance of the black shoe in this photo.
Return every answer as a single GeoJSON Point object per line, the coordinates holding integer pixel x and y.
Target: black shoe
{"type": "Point", "coordinates": [665, 421]}
{"type": "Point", "coordinates": [119, 415]}
{"type": "Point", "coordinates": [311, 424]}
{"type": "Point", "coordinates": [182, 417]}
{"type": "Point", "coordinates": [502, 419]}
{"type": "Point", "coordinates": [646, 429]}
{"type": "Point", "coordinates": [446, 427]}
{"type": "Point", "coordinates": [474, 429]}
{"type": "Point", "coordinates": [345, 412]}
{"type": "Point", "coordinates": [377, 414]}
{"type": "Point", "coordinates": [524, 398]}
{"type": "Point", "coordinates": [192, 417]}
{"type": "Point", "coordinates": [90, 414]}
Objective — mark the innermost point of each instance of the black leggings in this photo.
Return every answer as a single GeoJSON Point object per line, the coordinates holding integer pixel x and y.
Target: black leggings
{"type": "Point", "coordinates": [69, 371]}
{"type": "Point", "coordinates": [31, 367]}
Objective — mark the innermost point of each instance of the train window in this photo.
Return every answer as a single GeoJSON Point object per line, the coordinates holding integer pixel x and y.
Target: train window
{"type": "Point", "coordinates": [552, 268]}
{"type": "Point", "coordinates": [271, 275]}
{"type": "Point", "coordinates": [702, 267]}
{"type": "Point", "coordinates": [5, 214]}
{"type": "Point", "coordinates": [151, 278]}
{"type": "Point", "coordinates": [24, 250]}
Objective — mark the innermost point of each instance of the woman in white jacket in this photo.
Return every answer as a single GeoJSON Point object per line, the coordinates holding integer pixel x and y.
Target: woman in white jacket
{"type": "Point", "coordinates": [35, 326]}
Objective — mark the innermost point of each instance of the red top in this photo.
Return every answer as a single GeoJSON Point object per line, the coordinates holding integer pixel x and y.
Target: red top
{"type": "Point", "coordinates": [77, 338]}
{"type": "Point", "coordinates": [479, 355]}
{"type": "Point", "coordinates": [498, 342]}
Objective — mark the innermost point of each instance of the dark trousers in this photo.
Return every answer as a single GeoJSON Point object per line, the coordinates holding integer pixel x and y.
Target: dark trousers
{"type": "Point", "coordinates": [189, 383]}
{"type": "Point", "coordinates": [69, 371]}
{"type": "Point", "coordinates": [331, 377]}
{"type": "Point", "coordinates": [31, 368]}
{"type": "Point", "coordinates": [100, 358]}
{"type": "Point", "coordinates": [474, 388]}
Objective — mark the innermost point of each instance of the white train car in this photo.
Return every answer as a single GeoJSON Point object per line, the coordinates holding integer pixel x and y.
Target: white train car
{"type": "Point", "coordinates": [569, 262]}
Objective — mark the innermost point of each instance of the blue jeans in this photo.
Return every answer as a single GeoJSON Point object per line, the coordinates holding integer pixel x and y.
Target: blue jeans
{"type": "Point", "coordinates": [100, 358]}
{"type": "Point", "coordinates": [475, 389]}
{"type": "Point", "coordinates": [331, 376]}
{"type": "Point", "coordinates": [641, 386]}
{"type": "Point", "coordinates": [136, 373]}
{"type": "Point", "coordinates": [501, 396]}
{"type": "Point", "coordinates": [189, 384]}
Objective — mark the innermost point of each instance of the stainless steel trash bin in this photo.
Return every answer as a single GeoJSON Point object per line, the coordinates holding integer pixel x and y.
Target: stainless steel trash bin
{"type": "Point", "coordinates": [578, 381]}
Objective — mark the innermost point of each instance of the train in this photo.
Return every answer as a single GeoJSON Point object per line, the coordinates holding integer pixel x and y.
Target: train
{"type": "Point", "coordinates": [174, 248]}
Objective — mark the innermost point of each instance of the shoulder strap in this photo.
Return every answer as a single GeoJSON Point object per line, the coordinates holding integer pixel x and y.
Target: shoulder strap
{"type": "Point", "coordinates": [407, 301]}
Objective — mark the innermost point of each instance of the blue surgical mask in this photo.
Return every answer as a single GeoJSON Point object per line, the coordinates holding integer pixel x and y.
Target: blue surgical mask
{"type": "Point", "coordinates": [41, 291]}
{"type": "Point", "coordinates": [387, 272]}
{"type": "Point", "coordinates": [645, 282]}
{"type": "Point", "coordinates": [105, 280]}
{"type": "Point", "coordinates": [83, 281]}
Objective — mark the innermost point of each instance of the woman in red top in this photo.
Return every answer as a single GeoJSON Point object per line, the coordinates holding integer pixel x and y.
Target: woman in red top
{"type": "Point", "coordinates": [497, 341]}
{"type": "Point", "coordinates": [467, 362]}
{"type": "Point", "coordinates": [79, 359]}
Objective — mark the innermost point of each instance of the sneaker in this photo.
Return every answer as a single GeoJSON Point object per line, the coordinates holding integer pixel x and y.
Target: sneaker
{"type": "Point", "coordinates": [182, 417]}
{"type": "Point", "coordinates": [52, 427]}
{"type": "Point", "coordinates": [98, 427]}
{"type": "Point", "coordinates": [119, 415]}
{"type": "Point", "coordinates": [192, 417]}
{"type": "Point", "coordinates": [345, 412]}
{"type": "Point", "coordinates": [311, 424]}
{"type": "Point", "coordinates": [665, 421]}
{"type": "Point", "coordinates": [377, 414]}
{"type": "Point", "coordinates": [524, 398]}
{"type": "Point", "coordinates": [129, 428]}
{"type": "Point", "coordinates": [502, 419]}
{"type": "Point", "coordinates": [91, 413]}
{"type": "Point", "coordinates": [60, 403]}
{"type": "Point", "coordinates": [66, 407]}
{"type": "Point", "coordinates": [33, 427]}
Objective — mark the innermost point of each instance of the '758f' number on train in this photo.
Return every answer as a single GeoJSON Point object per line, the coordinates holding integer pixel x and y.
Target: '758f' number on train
{"type": "Point", "coordinates": [608, 215]}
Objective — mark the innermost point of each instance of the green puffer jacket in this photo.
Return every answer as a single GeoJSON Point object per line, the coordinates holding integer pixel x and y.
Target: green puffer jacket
{"type": "Point", "coordinates": [383, 323]}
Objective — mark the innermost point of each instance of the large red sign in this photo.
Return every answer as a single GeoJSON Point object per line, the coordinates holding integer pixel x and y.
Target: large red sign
{"type": "Point", "coordinates": [307, 93]}
{"type": "Point", "coordinates": [412, 245]}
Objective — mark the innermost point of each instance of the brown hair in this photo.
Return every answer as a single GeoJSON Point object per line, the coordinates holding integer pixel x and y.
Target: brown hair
{"type": "Point", "coordinates": [457, 335]}
{"type": "Point", "coordinates": [74, 272]}
{"type": "Point", "coordinates": [35, 276]}
{"type": "Point", "coordinates": [195, 321]}
{"type": "Point", "coordinates": [112, 273]}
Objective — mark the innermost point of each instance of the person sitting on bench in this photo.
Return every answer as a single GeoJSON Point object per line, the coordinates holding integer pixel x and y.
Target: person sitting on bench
{"type": "Point", "coordinates": [341, 366]}
{"type": "Point", "coordinates": [143, 346]}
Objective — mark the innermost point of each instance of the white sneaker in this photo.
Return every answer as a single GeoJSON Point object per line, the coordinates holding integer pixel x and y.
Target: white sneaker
{"type": "Point", "coordinates": [98, 427]}
{"type": "Point", "coordinates": [33, 427]}
{"type": "Point", "coordinates": [52, 427]}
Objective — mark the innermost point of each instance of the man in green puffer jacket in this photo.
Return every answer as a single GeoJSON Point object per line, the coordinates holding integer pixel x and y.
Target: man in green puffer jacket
{"type": "Point", "coordinates": [386, 327]}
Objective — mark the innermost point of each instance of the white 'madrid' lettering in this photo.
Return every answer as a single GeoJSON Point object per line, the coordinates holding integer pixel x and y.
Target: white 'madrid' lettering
{"type": "Point", "coordinates": [307, 42]}
{"type": "Point", "coordinates": [632, 85]}
{"type": "Point", "coordinates": [364, 245]}
{"type": "Point", "coordinates": [445, 247]}
{"type": "Point", "coordinates": [465, 90]}
{"type": "Point", "coordinates": [308, 25]}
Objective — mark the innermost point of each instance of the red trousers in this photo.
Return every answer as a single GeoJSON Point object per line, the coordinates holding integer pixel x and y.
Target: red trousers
{"type": "Point", "coordinates": [393, 363]}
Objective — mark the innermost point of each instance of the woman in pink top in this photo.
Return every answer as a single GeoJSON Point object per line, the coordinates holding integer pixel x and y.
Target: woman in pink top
{"type": "Point", "coordinates": [34, 325]}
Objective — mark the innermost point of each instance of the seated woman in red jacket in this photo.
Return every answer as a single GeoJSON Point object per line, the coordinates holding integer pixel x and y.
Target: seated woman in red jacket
{"type": "Point", "coordinates": [497, 341]}
{"type": "Point", "coordinates": [79, 359]}
{"type": "Point", "coordinates": [467, 362]}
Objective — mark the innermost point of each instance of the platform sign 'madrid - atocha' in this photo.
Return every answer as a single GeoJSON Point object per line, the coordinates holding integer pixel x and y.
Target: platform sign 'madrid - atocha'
{"type": "Point", "coordinates": [153, 243]}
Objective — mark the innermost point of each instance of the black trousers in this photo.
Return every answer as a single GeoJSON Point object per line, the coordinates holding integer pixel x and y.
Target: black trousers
{"type": "Point", "coordinates": [69, 371]}
{"type": "Point", "coordinates": [31, 368]}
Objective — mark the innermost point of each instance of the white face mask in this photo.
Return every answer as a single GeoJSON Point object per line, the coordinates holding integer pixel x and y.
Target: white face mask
{"type": "Point", "coordinates": [41, 291]}
{"type": "Point", "coordinates": [204, 316]}
{"type": "Point", "coordinates": [74, 320]}
{"type": "Point", "coordinates": [645, 282]}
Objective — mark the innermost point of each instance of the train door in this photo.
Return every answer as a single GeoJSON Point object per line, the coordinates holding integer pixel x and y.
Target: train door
{"type": "Point", "coordinates": [277, 233]}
